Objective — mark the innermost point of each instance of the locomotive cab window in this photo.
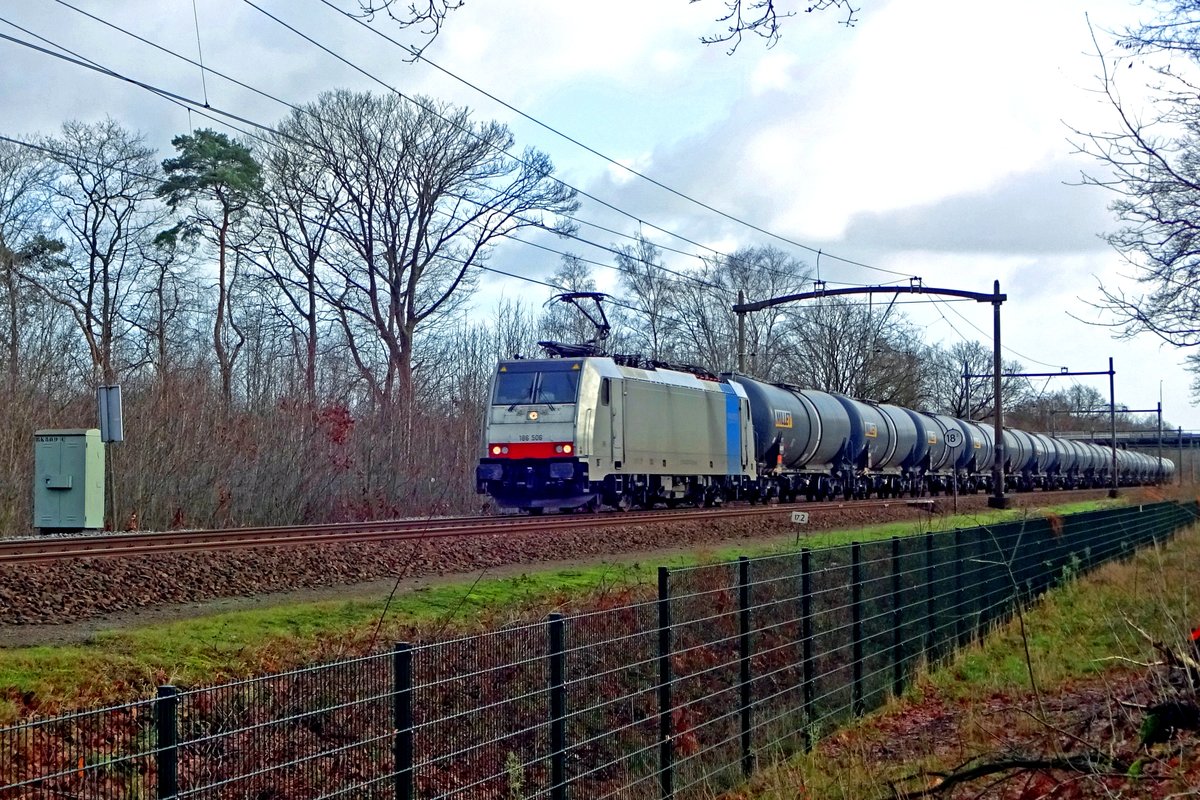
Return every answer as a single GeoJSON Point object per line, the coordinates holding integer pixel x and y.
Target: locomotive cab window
{"type": "Point", "coordinates": [557, 387]}
{"type": "Point", "coordinates": [513, 388]}
{"type": "Point", "coordinates": [526, 388]}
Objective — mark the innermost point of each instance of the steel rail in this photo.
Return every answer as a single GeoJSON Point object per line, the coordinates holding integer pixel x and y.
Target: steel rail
{"type": "Point", "coordinates": [31, 551]}
{"type": "Point", "coordinates": [35, 551]}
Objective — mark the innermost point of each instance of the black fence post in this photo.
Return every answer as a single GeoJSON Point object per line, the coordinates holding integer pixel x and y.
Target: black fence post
{"type": "Point", "coordinates": [897, 623]}
{"type": "Point", "coordinates": [807, 665]}
{"type": "Point", "coordinates": [402, 718]}
{"type": "Point", "coordinates": [744, 662]}
{"type": "Point", "coordinates": [930, 601]}
{"type": "Point", "coordinates": [166, 713]}
{"type": "Point", "coordinates": [666, 752]}
{"type": "Point", "coordinates": [856, 626]}
{"type": "Point", "coordinates": [558, 708]}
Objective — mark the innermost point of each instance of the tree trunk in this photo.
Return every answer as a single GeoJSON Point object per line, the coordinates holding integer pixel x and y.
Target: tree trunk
{"type": "Point", "coordinates": [219, 321]}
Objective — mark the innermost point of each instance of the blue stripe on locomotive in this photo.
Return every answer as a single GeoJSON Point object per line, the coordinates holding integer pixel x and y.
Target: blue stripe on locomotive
{"type": "Point", "coordinates": [733, 430]}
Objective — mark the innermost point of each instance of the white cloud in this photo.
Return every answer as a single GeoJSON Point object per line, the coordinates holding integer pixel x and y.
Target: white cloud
{"type": "Point", "coordinates": [929, 139]}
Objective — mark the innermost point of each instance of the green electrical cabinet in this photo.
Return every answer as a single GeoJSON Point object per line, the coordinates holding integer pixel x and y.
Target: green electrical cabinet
{"type": "Point", "coordinates": [68, 480]}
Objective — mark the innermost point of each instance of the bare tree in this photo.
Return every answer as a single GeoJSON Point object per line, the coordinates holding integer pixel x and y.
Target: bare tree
{"type": "Point", "coordinates": [24, 224]}
{"type": "Point", "coordinates": [761, 18]}
{"type": "Point", "coordinates": [649, 290]}
{"type": "Point", "coordinates": [703, 309]}
{"type": "Point", "coordinates": [104, 202]}
{"type": "Point", "coordinates": [418, 193]}
{"type": "Point", "coordinates": [169, 302]}
{"type": "Point", "coordinates": [297, 209]}
{"type": "Point", "coordinates": [972, 398]}
{"type": "Point", "coordinates": [1059, 409]}
{"type": "Point", "coordinates": [1151, 163]}
{"type": "Point", "coordinates": [515, 331]}
{"type": "Point", "coordinates": [849, 346]}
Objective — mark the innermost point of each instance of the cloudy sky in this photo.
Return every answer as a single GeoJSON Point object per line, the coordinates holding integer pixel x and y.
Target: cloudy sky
{"type": "Point", "coordinates": [930, 139]}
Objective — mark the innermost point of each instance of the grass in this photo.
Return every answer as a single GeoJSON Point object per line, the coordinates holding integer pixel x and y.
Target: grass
{"type": "Point", "coordinates": [118, 665]}
{"type": "Point", "coordinates": [1080, 633]}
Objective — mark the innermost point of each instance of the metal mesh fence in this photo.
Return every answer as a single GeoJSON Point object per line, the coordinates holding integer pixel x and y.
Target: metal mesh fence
{"type": "Point", "coordinates": [679, 695]}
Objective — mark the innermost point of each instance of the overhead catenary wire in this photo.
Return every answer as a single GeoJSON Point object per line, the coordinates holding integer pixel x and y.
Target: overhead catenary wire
{"type": "Point", "coordinates": [1004, 346]}
{"type": "Point", "coordinates": [657, 266]}
{"type": "Point", "coordinates": [376, 79]}
{"type": "Point", "coordinates": [420, 55]}
{"type": "Point", "coordinates": [181, 99]}
{"type": "Point", "coordinates": [82, 61]}
{"type": "Point", "coordinates": [493, 270]}
{"type": "Point", "coordinates": [193, 105]}
{"type": "Point", "coordinates": [667, 319]}
{"type": "Point", "coordinates": [204, 69]}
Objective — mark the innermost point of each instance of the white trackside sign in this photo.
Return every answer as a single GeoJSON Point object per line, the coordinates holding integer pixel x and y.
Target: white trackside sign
{"type": "Point", "coordinates": [800, 517]}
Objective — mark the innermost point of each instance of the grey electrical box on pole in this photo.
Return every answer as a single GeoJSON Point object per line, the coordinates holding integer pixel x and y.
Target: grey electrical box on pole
{"type": "Point", "coordinates": [108, 402]}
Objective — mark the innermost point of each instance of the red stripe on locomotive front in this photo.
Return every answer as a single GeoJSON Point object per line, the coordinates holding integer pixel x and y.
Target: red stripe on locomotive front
{"type": "Point", "coordinates": [531, 450]}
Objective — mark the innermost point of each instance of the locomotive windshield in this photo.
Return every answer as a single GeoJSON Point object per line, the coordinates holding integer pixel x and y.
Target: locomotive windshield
{"type": "Point", "coordinates": [525, 388]}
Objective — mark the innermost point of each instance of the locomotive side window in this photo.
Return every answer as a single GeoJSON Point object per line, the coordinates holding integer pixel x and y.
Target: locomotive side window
{"type": "Point", "coordinates": [557, 387]}
{"type": "Point", "coordinates": [605, 389]}
{"type": "Point", "coordinates": [514, 388]}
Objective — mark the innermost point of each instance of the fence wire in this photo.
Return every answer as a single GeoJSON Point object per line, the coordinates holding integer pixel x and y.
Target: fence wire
{"type": "Point", "coordinates": [679, 695]}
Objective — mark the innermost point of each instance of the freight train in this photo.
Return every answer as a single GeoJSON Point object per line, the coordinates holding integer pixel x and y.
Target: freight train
{"type": "Point", "coordinates": [578, 433]}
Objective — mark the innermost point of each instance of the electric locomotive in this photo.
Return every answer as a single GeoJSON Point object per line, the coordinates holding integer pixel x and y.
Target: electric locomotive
{"type": "Point", "coordinates": [578, 432]}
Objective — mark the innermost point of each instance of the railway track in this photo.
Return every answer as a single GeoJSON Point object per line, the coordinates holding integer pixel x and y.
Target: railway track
{"type": "Point", "coordinates": [34, 551]}
{"type": "Point", "coordinates": [45, 550]}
